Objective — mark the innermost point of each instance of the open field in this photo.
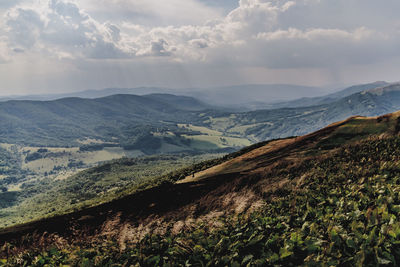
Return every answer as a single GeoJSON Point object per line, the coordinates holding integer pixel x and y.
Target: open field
{"type": "Point", "coordinates": [212, 139]}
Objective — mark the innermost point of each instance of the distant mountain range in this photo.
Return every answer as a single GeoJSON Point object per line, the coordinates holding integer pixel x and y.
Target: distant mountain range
{"type": "Point", "coordinates": [293, 121]}
{"type": "Point", "coordinates": [183, 123]}
{"type": "Point", "coordinates": [240, 96]}
{"type": "Point", "coordinates": [314, 101]}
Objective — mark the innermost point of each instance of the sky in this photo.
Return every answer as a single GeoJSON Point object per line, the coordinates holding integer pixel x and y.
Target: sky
{"type": "Point", "coordinates": [59, 46]}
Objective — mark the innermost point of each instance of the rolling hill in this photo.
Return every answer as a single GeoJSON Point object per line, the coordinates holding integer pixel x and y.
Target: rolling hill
{"type": "Point", "coordinates": [112, 119]}
{"type": "Point", "coordinates": [326, 99]}
{"type": "Point", "coordinates": [226, 96]}
{"type": "Point", "coordinates": [329, 197]}
{"type": "Point", "coordinates": [276, 123]}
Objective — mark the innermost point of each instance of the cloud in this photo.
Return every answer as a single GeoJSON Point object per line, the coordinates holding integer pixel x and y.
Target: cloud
{"type": "Point", "coordinates": [159, 48]}
{"type": "Point", "coordinates": [25, 26]}
{"type": "Point", "coordinates": [4, 54]}
{"type": "Point", "coordinates": [269, 36]}
{"type": "Point", "coordinates": [61, 29]}
{"type": "Point", "coordinates": [252, 33]}
{"type": "Point", "coordinates": [8, 4]}
{"type": "Point", "coordinates": [68, 10]}
{"type": "Point", "coordinates": [152, 12]}
{"type": "Point", "coordinates": [294, 48]}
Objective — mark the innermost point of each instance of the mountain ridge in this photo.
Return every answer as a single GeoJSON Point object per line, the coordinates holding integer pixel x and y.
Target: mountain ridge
{"type": "Point", "coordinates": [225, 96]}
{"type": "Point", "coordinates": [329, 98]}
{"type": "Point", "coordinates": [85, 117]}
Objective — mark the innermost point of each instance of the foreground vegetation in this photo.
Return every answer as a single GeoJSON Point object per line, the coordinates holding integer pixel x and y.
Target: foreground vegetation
{"type": "Point", "coordinates": [344, 211]}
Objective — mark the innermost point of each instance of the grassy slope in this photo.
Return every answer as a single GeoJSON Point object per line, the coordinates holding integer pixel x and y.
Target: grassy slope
{"type": "Point", "coordinates": [331, 196]}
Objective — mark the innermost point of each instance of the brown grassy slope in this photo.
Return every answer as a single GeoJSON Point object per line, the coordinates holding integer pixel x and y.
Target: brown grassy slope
{"type": "Point", "coordinates": [279, 149]}
{"type": "Point", "coordinates": [238, 185]}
